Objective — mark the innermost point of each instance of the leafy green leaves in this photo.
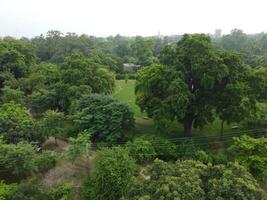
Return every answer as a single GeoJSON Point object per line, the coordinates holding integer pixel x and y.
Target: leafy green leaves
{"type": "Point", "coordinates": [16, 124]}
{"type": "Point", "coordinates": [251, 153]}
{"type": "Point", "coordinates": [106, 118]}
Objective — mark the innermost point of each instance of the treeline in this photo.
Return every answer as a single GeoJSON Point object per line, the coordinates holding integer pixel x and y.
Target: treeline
{"type": "Point", "coordinates": [55, 46]}
{"type": "Point", "coordinates": [59, 86]}
{"type": "Point", "coordinates": [112, 51]}
{"type": "Point", "coordinates": [33, 93]}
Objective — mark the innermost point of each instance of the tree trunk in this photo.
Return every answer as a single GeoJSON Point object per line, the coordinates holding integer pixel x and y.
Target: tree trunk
{"type": "Point", "coordinates": [188, 123]}
{"type": "Point", "coordinates": [222, 128]}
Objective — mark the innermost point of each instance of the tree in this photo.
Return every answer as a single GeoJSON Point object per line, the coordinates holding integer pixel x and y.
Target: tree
{"type": "Point", "coordinates": [194, 180]}
{"type": "Point", "coordinates": [16, 56]}
{"type": "Point", "coordinates": [16, 124]}
{"type": "Point", "coordinates": [232, 182]}
{"type": "Point", "coordinates": [18, 159]}
{"type": "Point", "coordinates": [141, 150]}
{"type": "Point", "coordinates": [239, 91]}
{"type": "Point", "coordinates": [251, 153]}
{"type": "Point", "coordinates": [105, 117]}
{"type": "Point", "coordinates": [191, 80]}
{"type": "Point", "coordinates": [53, 124]}
{"type": "Point", "coordinates": [142, 49]}
{"type": "Point", "coordinates": [80, 146]}
{"type": "Point", "coordinates": [113, 171]}
{"type": "Point", "coordinates": [237, 40]}
{"type": "Point", "coordinates": [5, 190]}
{"type": "Point", "coordinates": [14, 95]}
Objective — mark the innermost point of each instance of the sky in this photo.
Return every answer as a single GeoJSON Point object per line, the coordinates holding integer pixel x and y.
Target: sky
{"type": "Point", "coordinates": [31, 18]}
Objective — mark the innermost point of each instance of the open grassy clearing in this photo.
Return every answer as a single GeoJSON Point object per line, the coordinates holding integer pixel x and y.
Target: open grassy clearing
{"type": "Point", "coordinates": [144, 126]}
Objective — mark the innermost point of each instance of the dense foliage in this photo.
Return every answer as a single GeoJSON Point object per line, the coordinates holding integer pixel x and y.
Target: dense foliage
{"type": "Point", "coordinates": [16, 124]}
{"type": "Point", "coordinates": [194, 80]}
{"type": "Point", "coordinates": [57, 118]}
{"type": "Point", "coordinates": [141, 150]}
{"type": "Point", "coordinates": [17, 159]}
{"type": "Point", "coordinates": [251, 153]}
{"type": "Point", "coordinates": [113, 170]}
{"type": "Point", "coordinates": [105, 117]}
{"type": "Point", "coordinates": [194, 180]}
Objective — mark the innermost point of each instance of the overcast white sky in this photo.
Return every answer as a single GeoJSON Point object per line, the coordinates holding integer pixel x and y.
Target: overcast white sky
{"type": "Point", "coordinates": [130, 17]}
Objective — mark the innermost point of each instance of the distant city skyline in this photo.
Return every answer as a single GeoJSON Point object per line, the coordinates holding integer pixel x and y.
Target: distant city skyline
{"type": "Point", "coordinates": [31, 18]}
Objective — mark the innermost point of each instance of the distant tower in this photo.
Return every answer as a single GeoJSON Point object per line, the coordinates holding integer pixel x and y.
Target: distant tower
{"type": "Point", "coordinates": [218, 33]}
{"type": "Point", "coordinates": [159, 35]}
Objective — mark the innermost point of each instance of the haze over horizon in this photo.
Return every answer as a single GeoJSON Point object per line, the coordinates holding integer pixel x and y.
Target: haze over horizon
{"type": "Point", "coordinates": [31, 18]}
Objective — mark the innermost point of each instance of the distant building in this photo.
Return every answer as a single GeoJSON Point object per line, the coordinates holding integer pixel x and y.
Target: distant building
{"type": "Point", "coordinates": [130, 66]}
{"type": "Point", "coordinates": [218, 33]}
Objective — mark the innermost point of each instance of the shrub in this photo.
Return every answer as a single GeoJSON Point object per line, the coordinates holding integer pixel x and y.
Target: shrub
{"type": "Point", "coordinates": [18, 159]}
{"type": "Point", "coordinates": [186, 149]}
{"type": "Point", "coordinates": [60, 192]}
{"type": "Point", "coordinates": [202, 156]}
{"type": "Point", "coordinates": [181, 180]}
{"type": "Point", "coordinates": [5, 190]}
{"type": "Point", "coordinates": [232, 182]}
{"type": "Point", "coordinates": [16, 124]}
{"type": "Point", "coordinates": [219, 158]}
{"type": "Point", "coordinates": [188, 179]}
{"type": "Point", "coordinates": [164, 149]}
{"type": "Point", "coordinates": [46, 161]}
{"type": "Point", "coordinates": [53, 124]}
{"type": "Point", "coordinates": [27, 190]}
{"type": "Point", "coordinates": [80, 146]}
{"type": "Point", "coordinates": [105, 117]}
{"type": "Point", "coordinates": [141, 150]}
{"type": "Point", "coordinates": [113, 170]}
{"type": "Point", "coordinates": [251, 153]}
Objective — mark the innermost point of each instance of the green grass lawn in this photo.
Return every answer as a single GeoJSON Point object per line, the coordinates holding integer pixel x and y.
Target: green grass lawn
{"type": "Point", "coordinates": [144, 126]}
{"type": "Point", "coordinates": [125, 93]}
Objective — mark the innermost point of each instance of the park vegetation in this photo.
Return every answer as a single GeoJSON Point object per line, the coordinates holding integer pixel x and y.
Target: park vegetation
{"type": "Point", "coordinates": [194, 127]}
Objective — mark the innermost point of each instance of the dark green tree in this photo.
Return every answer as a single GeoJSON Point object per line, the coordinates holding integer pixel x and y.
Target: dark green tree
{"type": "Point", "coordinates": [105, 117]}
{"type": "Point", "coordinates": [190, 82]}
{"type": "Point", "coordinates": [16, 124]}
{"type": "Point", "coordinates": [113, 171]}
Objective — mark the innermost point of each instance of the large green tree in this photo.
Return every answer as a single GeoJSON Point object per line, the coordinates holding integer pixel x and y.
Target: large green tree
{"type": "Point", "coordinates": [191, 180]}
{"type": "Point", "coordinates": [106, 118]}
{"type": "Point", "coordinates": [113, 171]}
{"type": "Point", "coordinates": [17, 159]}
{"type": "Point", "coordinates": [189, 83]}
{"type": "Point", "coordinates": [16, 124]}
{"type": "Point", "coordinates": [251, 153]}
{"type": "Point", "coordinates": [142, 49]}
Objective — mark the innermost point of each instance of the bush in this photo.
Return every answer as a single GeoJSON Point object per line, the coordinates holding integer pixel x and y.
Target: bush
{"type": "Point", "coordinates": [80, 146]}
{"type": "Point", "coordinates": [181, 180]}
{"type": "Point", "coordinates": [5, 190]}
{"type": "Point", "coordinates": [60, 192]}
{"type": "Point", "coordinates": [189, 180]}
{"type": "Point", "coordinates": [186, 149]}
{"type": "Point", "coordinates": [27, 190]}
{"type": "Point", "coordinates": [18, 159]}
{"type": "Point", "coordinates": [251, 153]}
{"type": "Point", "coordinates": [105, 117]}
{"type": "Point", "coordinates": [46, 161]}
{"type": "Point", "coordinates": [164, 149]}
{"type": "Point", "coordinates": [113, 170]}
{"type": "Point", "coordinates": [53, 124]}
{"type": "Point", "coordinates": [232, 182]}
{"type": "Point", "coordinates": [219, 158]}
{"type": "Point", "coordinates": [141, 150]}
{"type": "Point", "coordinates": [16, 124]}
{"type": "Point", "coordinates": [202, 156]}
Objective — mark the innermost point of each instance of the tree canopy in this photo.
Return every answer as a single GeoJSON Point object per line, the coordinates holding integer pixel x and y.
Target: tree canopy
{"type": "Point", "coordinates": [193, 80]}
{"type": "Point", "coordinates": [105, 117]}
